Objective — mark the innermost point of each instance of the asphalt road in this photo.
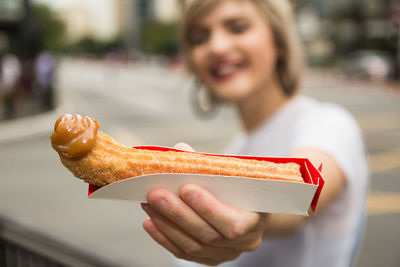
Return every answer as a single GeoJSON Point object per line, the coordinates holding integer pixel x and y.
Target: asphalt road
{"type": "Point", "coordinates": [146, 104]}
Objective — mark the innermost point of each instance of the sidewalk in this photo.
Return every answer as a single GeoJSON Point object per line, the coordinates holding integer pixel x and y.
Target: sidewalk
{"type": "Point", "coordinates": [30, 121]}
{"type": "Point", "coordinates": [27, 126]}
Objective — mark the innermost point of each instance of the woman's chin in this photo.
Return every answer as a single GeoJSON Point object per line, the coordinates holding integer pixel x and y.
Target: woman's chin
{"type": "Point", "coordinates": [231, 95]}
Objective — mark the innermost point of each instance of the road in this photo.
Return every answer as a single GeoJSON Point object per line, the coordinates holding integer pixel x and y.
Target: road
{"type": "Point", "coordinates": [146, 104]}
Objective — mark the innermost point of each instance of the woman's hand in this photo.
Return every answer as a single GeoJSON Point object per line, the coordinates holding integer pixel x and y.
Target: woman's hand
{"type": "Point", "coordinates": [196, 226]}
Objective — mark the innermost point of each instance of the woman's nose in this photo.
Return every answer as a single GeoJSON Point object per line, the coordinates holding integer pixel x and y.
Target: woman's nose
{"type": "Point", "coordinates": [219, 43]}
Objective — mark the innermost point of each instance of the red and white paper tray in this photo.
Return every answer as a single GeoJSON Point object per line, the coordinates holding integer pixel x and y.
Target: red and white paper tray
{"type": "Point", "coordinates": [261, 195]}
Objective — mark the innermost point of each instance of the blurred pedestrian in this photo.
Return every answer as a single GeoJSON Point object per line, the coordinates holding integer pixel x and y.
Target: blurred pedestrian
{"type": "Point", "coordinates": [10, 74]}
{"type": "Point", "coordinates": [44, 77]}
{"type": "Point", "coordinates": [246, 53]}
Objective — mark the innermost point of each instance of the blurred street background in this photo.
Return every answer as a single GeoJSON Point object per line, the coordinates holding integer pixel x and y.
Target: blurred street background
{"type": "Point", "coordinates": [118, 61]}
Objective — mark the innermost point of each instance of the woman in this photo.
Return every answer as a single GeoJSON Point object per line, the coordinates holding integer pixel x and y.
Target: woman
{"type": "Point", "coordinates": [246, 53]}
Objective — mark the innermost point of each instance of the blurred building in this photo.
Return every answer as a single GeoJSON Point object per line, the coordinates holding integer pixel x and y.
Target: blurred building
{"type": "Point", "coordinates": [167, 10]}
{"type": "Point", "coordinates": [11, 11]}
{"type": "Point", "coordinates": [107, 19]}
{"type": "Point", "coordinates": [364, 31]}
{"type": "Point", "coordinates": [142, 11]}
{"type": "Point", "coordinates": [16, 30]}
{"type": "Point", "coordinates": [98, 19]}
{"type": "Point", "coordinates": [356, 19]}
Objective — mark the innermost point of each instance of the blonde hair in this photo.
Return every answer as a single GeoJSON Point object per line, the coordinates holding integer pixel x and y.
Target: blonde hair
{"type": "Point", "coordinates": [279, 15]}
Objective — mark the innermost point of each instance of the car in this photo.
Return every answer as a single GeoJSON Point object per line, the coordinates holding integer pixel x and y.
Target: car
{"type": "Point", "coordinates": [368, 64]}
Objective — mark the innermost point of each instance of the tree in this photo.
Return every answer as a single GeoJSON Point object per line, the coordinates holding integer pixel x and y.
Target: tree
{"type": "Point", "coordinates": [159, 38]}
{"type": "Point", "coordinates": [49, 28]}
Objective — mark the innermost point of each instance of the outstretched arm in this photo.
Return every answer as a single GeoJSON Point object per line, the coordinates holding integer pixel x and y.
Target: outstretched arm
{"type": "Point", "coordinates": [280, 225]}
{"type": "Point", "coordinates": [196, 226]}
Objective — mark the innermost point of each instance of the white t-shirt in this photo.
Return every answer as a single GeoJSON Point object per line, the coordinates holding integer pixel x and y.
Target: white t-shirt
{"type": "Point", "coordinates": [331, 237]}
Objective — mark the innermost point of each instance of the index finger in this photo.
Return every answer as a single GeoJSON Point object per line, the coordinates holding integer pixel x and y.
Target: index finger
{"type": "Point", "coordinates": [229, 221]}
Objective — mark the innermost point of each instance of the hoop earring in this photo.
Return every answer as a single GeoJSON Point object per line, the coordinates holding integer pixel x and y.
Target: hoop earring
{"type": "Point", "coordinates": [205, 104]}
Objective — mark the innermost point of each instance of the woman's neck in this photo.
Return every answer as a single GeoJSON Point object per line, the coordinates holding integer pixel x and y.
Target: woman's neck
{"type": "Point", "coordinates": [260, 106]}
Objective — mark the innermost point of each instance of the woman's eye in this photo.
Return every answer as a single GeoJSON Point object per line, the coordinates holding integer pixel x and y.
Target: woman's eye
{"type": "Point", "coordinates": [238, 27]}
{"type": "Point", "coordinates": [197, 36]}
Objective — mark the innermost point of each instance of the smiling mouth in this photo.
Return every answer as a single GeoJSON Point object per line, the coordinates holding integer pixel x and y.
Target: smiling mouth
{"type": "Point", "coordinates": [222, 72]}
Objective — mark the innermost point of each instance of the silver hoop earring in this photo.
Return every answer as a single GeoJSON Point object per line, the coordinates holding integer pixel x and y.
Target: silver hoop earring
{"type": "Point", "coordinates": [205, 103]}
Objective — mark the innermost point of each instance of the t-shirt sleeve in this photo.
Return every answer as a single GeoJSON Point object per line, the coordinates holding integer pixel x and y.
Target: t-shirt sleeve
{"type": "Point", "coordinates": [333, 130]}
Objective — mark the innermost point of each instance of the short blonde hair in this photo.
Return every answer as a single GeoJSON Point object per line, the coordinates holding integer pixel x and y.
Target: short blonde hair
{"type": "Point", "coordinates": [279, 14]}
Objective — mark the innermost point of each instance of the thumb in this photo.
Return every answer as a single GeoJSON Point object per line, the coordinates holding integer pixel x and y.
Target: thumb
{"type": "Point", "coordinates": [183, 146]}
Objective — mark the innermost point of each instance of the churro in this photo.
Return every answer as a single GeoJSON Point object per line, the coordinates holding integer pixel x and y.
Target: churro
{"type": "Point", "coordinates": [98, 159]}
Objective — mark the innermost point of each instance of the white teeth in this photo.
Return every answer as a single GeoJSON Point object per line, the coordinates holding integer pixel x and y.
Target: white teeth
{"type": "Point", "coordinates": [225, 69]}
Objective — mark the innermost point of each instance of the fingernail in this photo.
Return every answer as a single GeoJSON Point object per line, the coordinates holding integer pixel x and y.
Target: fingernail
{"type": "Point", "coordinates": [190, 197]}
{"type": "Point", "coordinates": [161, 203]}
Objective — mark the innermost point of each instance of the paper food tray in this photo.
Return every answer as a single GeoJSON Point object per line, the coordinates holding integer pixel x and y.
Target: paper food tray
{"type": "Point", "coordinates": [261, 195]}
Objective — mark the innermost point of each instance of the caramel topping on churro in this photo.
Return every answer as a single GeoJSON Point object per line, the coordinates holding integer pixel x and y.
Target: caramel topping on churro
{"type": "Point", "coordinates": [74, 136]}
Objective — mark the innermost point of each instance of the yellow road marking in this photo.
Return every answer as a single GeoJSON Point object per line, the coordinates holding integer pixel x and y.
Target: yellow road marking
{"type": "Point", "coordinates": [385, 161]}
{"type": "Point", "coordinates": [376, 123]}
{"type": "Point", "coordinates": [380, 203]}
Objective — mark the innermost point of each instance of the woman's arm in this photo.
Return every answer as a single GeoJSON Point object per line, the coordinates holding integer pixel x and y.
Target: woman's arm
{"type": "Point", "coordinates": [281, 225]}
{"type": "Point", "coordinates": [196, 226]}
